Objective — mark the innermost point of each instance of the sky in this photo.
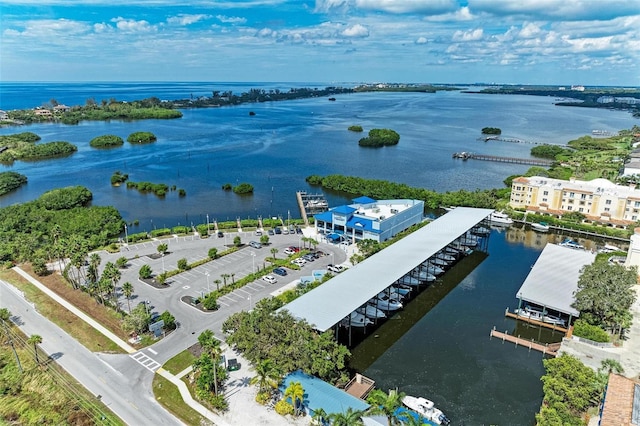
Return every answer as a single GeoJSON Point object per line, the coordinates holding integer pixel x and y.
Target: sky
{"type": "Point", "coordinates": [557, 42]}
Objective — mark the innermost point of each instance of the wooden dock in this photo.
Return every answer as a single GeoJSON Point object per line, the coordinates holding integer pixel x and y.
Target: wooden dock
{"type": "Point", "coordinates": [359, 386]}
{"type": "Point", "coordinates": [303, 211]}
{"type": "Point", "coordinates": [513, 160]}
{"type": "Point", "coordinates": [311, 204]}
{"type": "Point", "coordinates": [550, 349]}
{"type": "Point", "coordinates": [513, 140]}
{"type": "Point", "coordinates": [554, 327]}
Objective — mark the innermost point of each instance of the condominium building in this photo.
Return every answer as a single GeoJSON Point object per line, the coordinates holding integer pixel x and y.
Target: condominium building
{"type": "Point", "coordinates": [597, 199]}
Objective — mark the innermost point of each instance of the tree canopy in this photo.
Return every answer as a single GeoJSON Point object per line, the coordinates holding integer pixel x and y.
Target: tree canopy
{"type": "Point", "coordinates": [10, 181]}
{"type": "Point", "coordinates": [106, 141]}
{"type": "Point", "coordinates": [380, 137]}
{"type": "Point", "coordinates": [141, 138]}
{"type": "Point", "coordinates": [605, 293]}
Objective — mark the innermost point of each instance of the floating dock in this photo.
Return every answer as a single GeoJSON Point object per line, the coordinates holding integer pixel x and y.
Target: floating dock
{"type": "Point", "coordinates": [550, 349]}
{"type": "Point", "coordinates": [513, 160]}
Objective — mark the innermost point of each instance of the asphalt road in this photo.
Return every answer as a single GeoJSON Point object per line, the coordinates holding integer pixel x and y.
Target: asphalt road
{"type": "Point", "coordinates": [122, 385]}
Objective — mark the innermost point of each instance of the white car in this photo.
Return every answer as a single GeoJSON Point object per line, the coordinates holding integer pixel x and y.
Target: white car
{"type": "Point", "coordinates": [336, 268]}
{"type": "Point", "coordinates": [270, 279]}
{"type": "Point", "coordinates": [299, 261]}
{"type": "Point", "coordinates": [288, 252]}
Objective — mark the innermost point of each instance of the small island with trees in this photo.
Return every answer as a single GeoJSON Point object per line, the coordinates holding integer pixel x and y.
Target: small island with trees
{"type": "Point", "coordinates": [491, 131]}
{"type": "Point", "coordinates": [141, 138]}
{"type": "Point", "coordinates": [23, 146]}
{"type": "Point", "coordinates": [118, 178]}
{"type": "Point", "coordinates": [355, 128]}
{"type": "Point", "coordinates": [106, 141]}
{"type": "Point", "coordinates": [243, 189]}
{"type": "Point", "coordinates": [380, 137]}
{"type": "Point", "coordinates": [10, 181]}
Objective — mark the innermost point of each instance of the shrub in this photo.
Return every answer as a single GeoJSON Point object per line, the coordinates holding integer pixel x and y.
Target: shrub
{"type": "Point", "coordinates": [283, 408]}
{"type": "Point", "coordinates": [227, 187]}
{"type": "Point", "coordinates": [160, 232]}
{"type": "Point", "coordinates": [182, 192]}
{"type": "Point", "coordinates": [213, 253]}
{"type": "Point", "coordinates": [237, 241]}
{"type": "Point", "coordinates": [182, 264]}
{"type": "Point", "coordinates": [263, 397]}
{"type": "Point", "coordinates": [106, 141]}
{"type": "Point", "coordinates": [40, 267]}
{"type": "Point", "coordinates": [210, 302]}
{"type": "Point", "coordinates": [355, 128]}
{"type": "Point", "coordinates": [491, 131]}
{"type": "Point", "coordinates": [117, 178]}
{"type": "Point", "coordinates": [169, 320]}
{"type": "Point", "coordinates": [314, 180]}
{"type": "Point", "coordinates": [582, 328]}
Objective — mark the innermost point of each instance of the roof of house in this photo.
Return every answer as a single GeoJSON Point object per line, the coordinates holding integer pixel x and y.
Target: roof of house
{"type": "Point", "coordinates": [363, 200]}
{"type": "Point", "coordinates": [320, 394]}
{"type": "Point", "coordinates": [553, 279]}
{"type": "Point", "coordinates": [621, 403]}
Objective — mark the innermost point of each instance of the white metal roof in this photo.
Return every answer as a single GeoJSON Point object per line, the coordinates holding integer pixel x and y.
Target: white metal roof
{"type": "Point", "coordinates": [553, 279]}
{"type": "Point", "coordinates": [327, 304]}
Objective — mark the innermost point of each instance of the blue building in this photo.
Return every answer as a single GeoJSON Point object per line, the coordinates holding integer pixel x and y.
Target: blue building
{"type": "Point", "coordinates": [370, 219]}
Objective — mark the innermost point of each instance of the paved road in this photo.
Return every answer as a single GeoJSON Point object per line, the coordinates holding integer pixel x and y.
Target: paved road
{"type": "Point", "coordinates": [123, 386]}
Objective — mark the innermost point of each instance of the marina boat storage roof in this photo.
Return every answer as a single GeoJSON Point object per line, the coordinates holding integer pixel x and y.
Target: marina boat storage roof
{"type": "Point", "coordinates": [553, 279]}
{"type": "Point", "coordinates": [327, 304]}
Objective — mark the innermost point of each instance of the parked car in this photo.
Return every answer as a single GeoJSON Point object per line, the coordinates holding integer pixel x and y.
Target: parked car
{"type": "Point", "coordinates": [258, 233]}
{"type": "Point", "coordinates": [255, 244]}
{"type": "Point", "coordinates": [292, 229]}
{"type": "Point", "coordinates": [285, 231]}
{"type": "Point", "coordinates": [294, 248]}
{"type": "Point", "coordinates": [298, 230]}
{"type": "Point", "coordinates": [277, 230]}
{"type": "Point", "coordinates": [220, 234]}
{"type": "Point", "coordinates": [335, 268]}
{"type": "Point", "coordinates": [309, 257]}
{"type": "Point", "coordinates": [270, 232]}
{"type": "Point", "coordinates": [299, 261]}
{"type": "Point", "coordinates": [280, 271]}
{"type": "Point", "coordinates": [233, 365]}
{"type": "Point", "coordinates": [270, 279]}
{"type": "Point", "coordinates": [289, 252]}
{"type": "Point", "coordinates": [319, 253]}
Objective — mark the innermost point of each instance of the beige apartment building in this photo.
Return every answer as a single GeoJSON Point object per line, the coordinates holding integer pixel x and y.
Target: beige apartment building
{"type": "Point", "coordinates": [597, 199]}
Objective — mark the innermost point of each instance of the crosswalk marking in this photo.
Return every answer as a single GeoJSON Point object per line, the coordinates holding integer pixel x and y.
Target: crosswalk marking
{"type": "Point", "coordinates": [146, 361]}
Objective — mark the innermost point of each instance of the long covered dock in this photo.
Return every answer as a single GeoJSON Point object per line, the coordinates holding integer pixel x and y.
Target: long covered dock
{"type": "Point", "coordinates": [327, 305]}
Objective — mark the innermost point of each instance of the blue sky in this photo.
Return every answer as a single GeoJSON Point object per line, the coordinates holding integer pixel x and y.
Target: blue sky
{"type": "Point", "coordinates": [589, 42]}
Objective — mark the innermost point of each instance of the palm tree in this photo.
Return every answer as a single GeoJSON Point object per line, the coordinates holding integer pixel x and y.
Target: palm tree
{"type": "Point", "coordinates": [350, 417]}
{"type": "Point", "coordinates": [224, 277]}
{"type": "Point", "coordinates": [386, 404]}
{"type": "Point", "coordinates": [113, 274]}
{"type": "Point", "coordinates": [273, 252]}
{"type": "Point", "coordinates": [211, 345]}
{"type": "Point", "coordinates": [217, 283]}
{"type": "Point", "coordinates": [320, 416]}
{"type": "Point", "coordinates": [267, 375]}
{"type": "Point", "coordinates": [127, 290]}
{"type": "Point", "coordinates": [35, 340]}
{"type": "Point", "coordinates": [295, 391]}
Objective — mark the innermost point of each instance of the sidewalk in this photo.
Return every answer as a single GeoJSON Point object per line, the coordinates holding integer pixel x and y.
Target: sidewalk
{"type": "Point", "coordinates": [184, 392]}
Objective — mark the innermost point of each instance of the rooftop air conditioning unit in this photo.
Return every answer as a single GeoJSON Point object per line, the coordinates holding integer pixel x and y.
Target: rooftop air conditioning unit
{"type": "Point", "coordinates": [394, 210]}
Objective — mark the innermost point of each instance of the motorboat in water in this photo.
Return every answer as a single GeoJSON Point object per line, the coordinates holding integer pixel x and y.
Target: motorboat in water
{"type": "Point", "coordinates": [571, 244]}
{"type": "Point", "coordinates": [423, 276]}
{"type": "Point", "coordinates": [554, 319]}
{"type": "Point", "coordinates": [409, 280]}
{"type": "Point", "coordinates": [480, 230]}
{"type": "Point", "coordinates": [426, 409]}
{"type": "Point", "coordinates": [371, 311]}
{"type": "Point", "coordinates": [438, 262]}
{"type": "Point", "coordinates": [500, 218]}
{"type": "Point", "coordinates": [356, 319]}
{"type": "Point", "coordinates": [401, 289]}
{"type": "Point", "coordinates": [540, 227]}
{"type": "Point", "coordinates": [433, 269]}
{"type": "Point", "coordinates": [444, 256]}
{"type": "Point", "coordinates": [530, 313]}
{"type": "Point", "coordinates": [385, 303]}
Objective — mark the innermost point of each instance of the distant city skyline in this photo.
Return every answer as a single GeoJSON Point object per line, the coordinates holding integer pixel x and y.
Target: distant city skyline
{"type": "Point", "coordinates": [556, 42]}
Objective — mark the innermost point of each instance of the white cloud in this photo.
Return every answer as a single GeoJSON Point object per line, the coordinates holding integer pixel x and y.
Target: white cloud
{"type": "Point", "coordinates": [530, 30]}
{"type": "Point", "coordinates": [187, 19]}
{"type": "Point", "coordinates": [231, 19]}
{"type": "Point", "coordinates": [390, 6]}
{"type": "Point", "coordinates": [132, 26]}
{"type": "Point", "coordinates": [421, 40]}
{"type": "Point", "coordinates": [356, 30]}
{"type": "Point", "coordinates": [565, 10]}
{"type": "Point", "coordinates": [470, 35]}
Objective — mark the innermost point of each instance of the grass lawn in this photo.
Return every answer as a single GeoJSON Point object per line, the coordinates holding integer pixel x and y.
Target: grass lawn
{"type": "Point", "coordinates": [179, 362]}
{"type": "Point", "coordinates": [74, 326]}
{"type": "Point", "coordinates": [168, 395]}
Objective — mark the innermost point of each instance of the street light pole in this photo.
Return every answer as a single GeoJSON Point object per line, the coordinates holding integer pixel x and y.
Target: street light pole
{"type": "Point", "coordinates": [207, 224]}
{"type": "Point", "coordinates": [162, 262]}
{"type": "Point", "coordinates": [250, 306]}
{"type": "Point", "coordinates": [208, 290]}
{"type": "Point", "coordinates": [126, 238]}
{"type": "Point", "coordinates": [253, 262]}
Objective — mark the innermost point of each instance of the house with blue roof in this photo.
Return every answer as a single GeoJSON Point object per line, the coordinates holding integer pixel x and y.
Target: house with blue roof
{"type": "Point", "coordinates": [367, 218]}
{"type": "Point", "coordinates": [320, 394]}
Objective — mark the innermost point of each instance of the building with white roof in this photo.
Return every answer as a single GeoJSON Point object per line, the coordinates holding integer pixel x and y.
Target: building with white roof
{"type": "Point", "coordinates": [597, 199]}
{"type": "Point", "coordinates": [371, 219]}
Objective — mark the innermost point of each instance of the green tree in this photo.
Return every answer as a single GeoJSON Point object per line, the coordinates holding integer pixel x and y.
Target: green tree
{"type": "Point", "coordinates": [211, 346]}
{"type": "Point", "coordinates": [274, 251]}
{"type": "Point", "coordinates": [138, 320]}
{"type": "Point", "coordinates": [267, 375]}
{"type": "Point", "coordinates": [350, 417]}
{"type": "Point", "coordinates": [169, 320]}
{"type": "Point", "coordinates": [163, 248]}
{"type": "Point", "coordinates": [213, 253]}
{"type": "Point", "coordinates": [264, 239]}
{"type": "Point", "coordinates": [182, 264]}
{"type": "Point", "coordinates": [295, 392]}
{"type": "Point", "coordinates": [127, 290]}
{"type": "Point", "coordinates": [320, 417]}
{"type": "Point", "coordinates": [113, 275]}
{"type": "Point", "coordinates": [237, 241]}
{"type": "Point", "coordinates": [145, 272]}
{"type": "Point", "coordinates": [386, 404]}
{"type": "Point", "coordinates": [121, 262]}
{"type": "Point", "coordinates": [35, 340]}
{"type": "Point", "coordinates": [5, 316]}
{"type": "Point", "coordinates": [217, 283]}
{"type": "Point", "coordinates": [605, 291]}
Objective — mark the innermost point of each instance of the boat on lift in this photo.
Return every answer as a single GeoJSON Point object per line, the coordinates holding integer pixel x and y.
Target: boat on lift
{"type": "Point", "coordinates": [426, 409]}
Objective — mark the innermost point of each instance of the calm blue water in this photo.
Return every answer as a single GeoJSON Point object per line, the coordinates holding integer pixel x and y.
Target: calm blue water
{"type": "Point", "coordinates": [283, 143]}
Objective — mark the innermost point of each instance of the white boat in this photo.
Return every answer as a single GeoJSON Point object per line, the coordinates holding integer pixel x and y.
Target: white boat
{"type": "Point", "coordinates": [423, 276]}
{"type": "Point", "coordinates": [409, 280]}
{"type": "Point", "coordinates": [426, 409]}
{"type": "Point", "coordinates": [481, 230]}
{"type": "Point", "coordinates": [393, 296]}
{"type": "Point", "coordinates": [433, 269]}
{"type": "Point", "coordinates": [446, 257]}
{"type": "Point", "coordinates": [356, 319]}
{"type": "Point", "coordinates": [540, 227]}
{"type": "Point", "coordinates": [608, 248]}
{"type": "Point", "coordinates": [500, 218]}
{"type": "Point", "coordinates": [385, 303]}
{"type": "Point", "coordinates": [371, 311]}
{"type": "Point", "coordinates": [452, 251]}
{"type": "Point", "coordinates": [554, 319]}
{"type": "Point", "coordinates": [572, 244]}
{"type": "Point", "coordinates": [438, 262]}
{"type": "Point", "coordinates": [401, 289]}
{"type": "Point", "coordinates": [530, 313]}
